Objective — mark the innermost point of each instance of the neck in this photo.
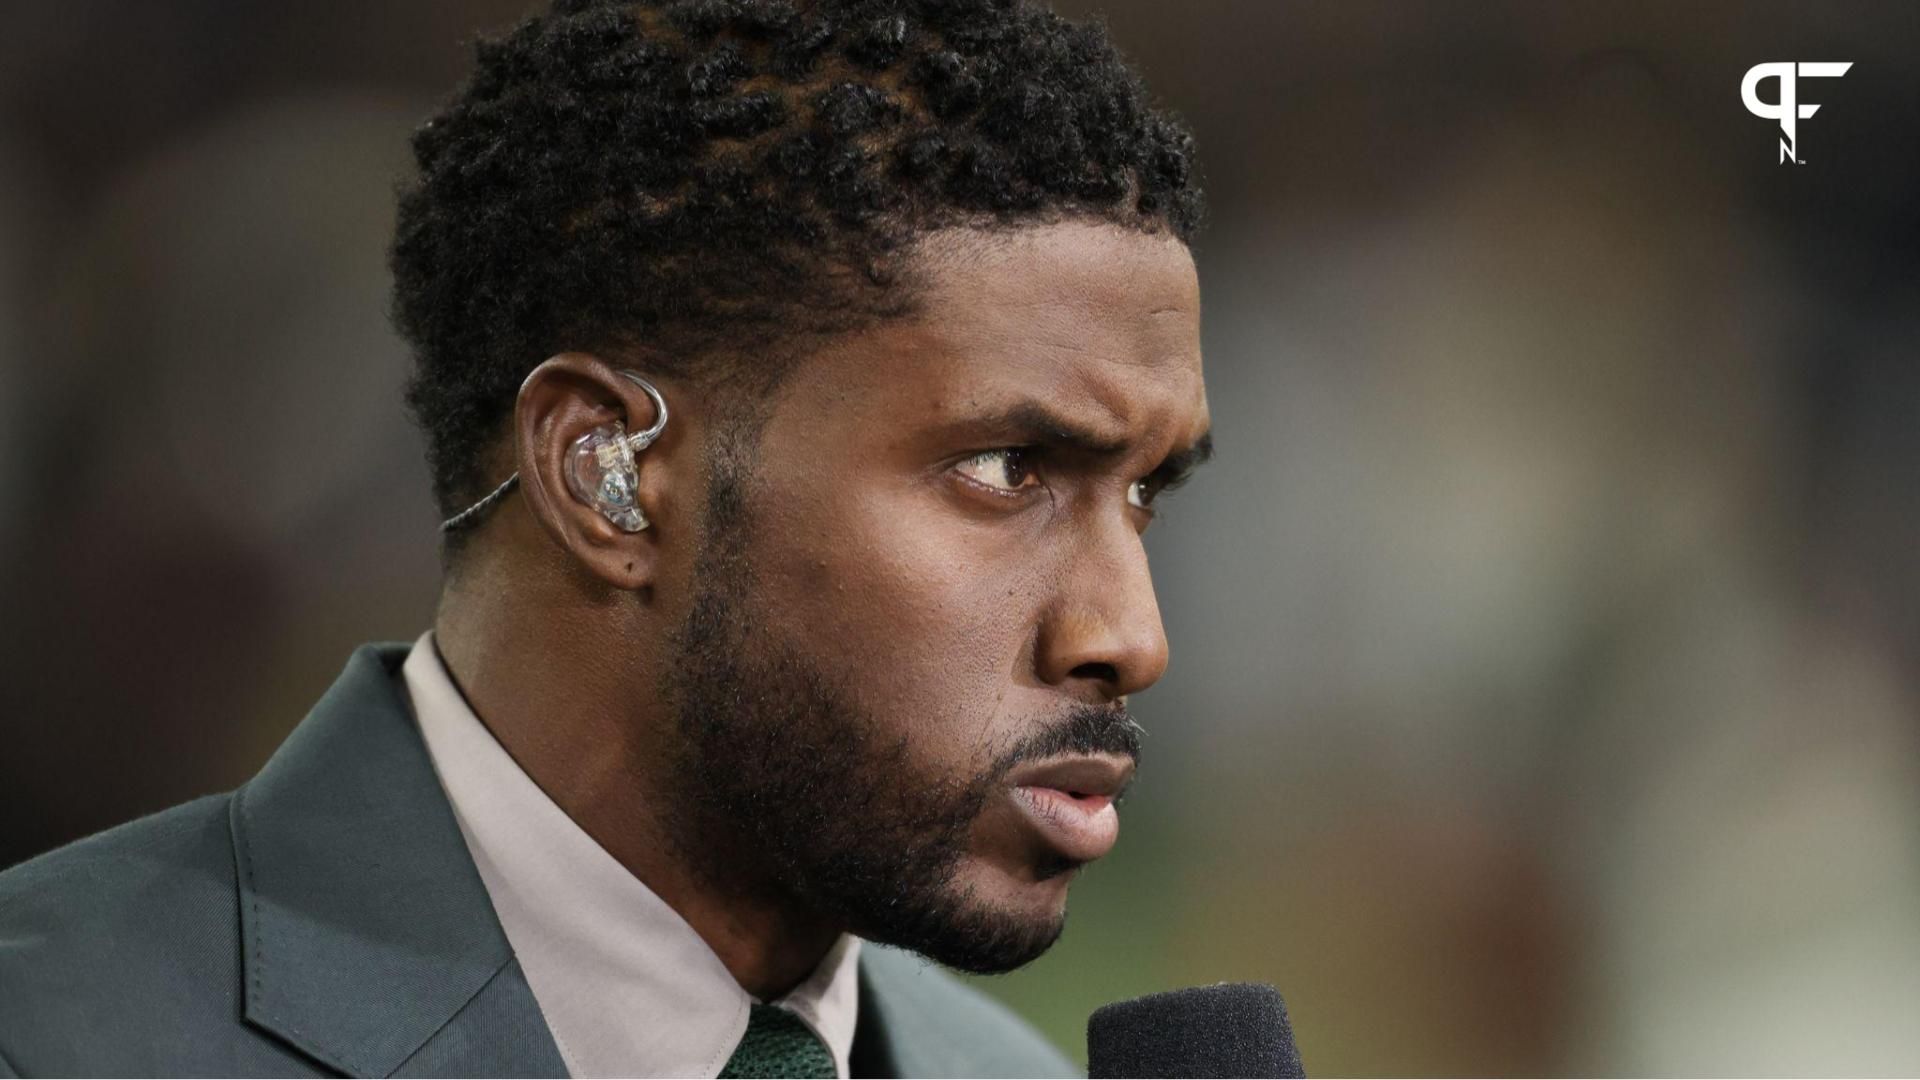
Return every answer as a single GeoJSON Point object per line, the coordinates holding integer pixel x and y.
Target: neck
{"type": "Point", "coordinates": [525, 653]}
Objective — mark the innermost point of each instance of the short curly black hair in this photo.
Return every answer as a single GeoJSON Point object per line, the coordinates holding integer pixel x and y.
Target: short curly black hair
{"type": "Point", "coordinates": [700, 180]}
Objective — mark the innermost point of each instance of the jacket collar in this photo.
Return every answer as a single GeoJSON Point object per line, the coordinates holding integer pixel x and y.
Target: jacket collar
{"type": "Point", "coordinates": [367, 938]}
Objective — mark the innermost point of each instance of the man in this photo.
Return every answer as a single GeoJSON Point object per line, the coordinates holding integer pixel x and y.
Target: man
{"type": "Point", "coordinates": [798, 379]}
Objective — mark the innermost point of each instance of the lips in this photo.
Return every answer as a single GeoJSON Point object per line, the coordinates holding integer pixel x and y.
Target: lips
{"type": "Point", "coordinates": [1069, 801]}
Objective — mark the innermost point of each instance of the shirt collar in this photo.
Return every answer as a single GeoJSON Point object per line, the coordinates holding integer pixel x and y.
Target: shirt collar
{"type": "Point", "coordinates": [627, 987]}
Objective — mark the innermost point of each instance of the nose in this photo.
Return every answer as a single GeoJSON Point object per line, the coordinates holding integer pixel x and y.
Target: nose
{"type": "Point", "coordinates": [1102, 635]}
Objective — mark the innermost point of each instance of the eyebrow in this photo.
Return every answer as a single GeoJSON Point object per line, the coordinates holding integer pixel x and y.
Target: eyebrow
{"type": "Point", "coordinates": [1031, 422]}
{"type": "Point", "coordinates": [1180, 464]}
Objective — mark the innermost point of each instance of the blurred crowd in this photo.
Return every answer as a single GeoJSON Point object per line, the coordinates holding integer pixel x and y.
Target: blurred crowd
{"type": "Point", "coordinates": [1546, 636]}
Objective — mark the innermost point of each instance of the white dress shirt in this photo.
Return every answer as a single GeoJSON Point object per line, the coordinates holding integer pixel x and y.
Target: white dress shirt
{"type": "Point", "coordinates": [626, 986]}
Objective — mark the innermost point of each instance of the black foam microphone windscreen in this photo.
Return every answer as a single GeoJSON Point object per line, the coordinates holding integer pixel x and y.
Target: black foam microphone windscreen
{"type": "Point", "coordinates": [1232, 1029]}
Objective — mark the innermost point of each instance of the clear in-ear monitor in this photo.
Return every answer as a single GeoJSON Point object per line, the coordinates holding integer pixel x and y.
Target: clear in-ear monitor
{"type": "Point", "coordinates": [601, 473]}
{"type": "Point", "coordinates": [600, 470]}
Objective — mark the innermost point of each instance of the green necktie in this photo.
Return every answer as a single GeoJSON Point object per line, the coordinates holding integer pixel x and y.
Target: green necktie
{"type": "Point", "coordinates": [778, 1043]}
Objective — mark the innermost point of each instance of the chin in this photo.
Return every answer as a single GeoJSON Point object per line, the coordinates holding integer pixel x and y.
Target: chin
{"type": "Point", "coordinates": [996, 922]}
{"type": "Point", "coordinates": [1034, 889]}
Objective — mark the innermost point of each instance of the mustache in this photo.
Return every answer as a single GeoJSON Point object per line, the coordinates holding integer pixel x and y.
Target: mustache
{"type": "Point", "coordinates": [1088, 729]}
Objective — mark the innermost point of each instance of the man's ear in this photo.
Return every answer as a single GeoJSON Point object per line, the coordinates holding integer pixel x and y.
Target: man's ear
{"type": "Point", "coordinates": [563, 399]}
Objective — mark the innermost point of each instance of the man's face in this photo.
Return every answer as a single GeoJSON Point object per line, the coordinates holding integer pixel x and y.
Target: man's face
{"type": "Point", "coordinates": [922, 597]}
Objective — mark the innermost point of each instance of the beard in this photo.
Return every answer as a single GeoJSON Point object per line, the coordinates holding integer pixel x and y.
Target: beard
{"type": "Point", "coordinates": [786, 789]}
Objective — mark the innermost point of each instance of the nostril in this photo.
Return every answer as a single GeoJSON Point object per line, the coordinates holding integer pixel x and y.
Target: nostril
{"type": "Point", "coordinates": [1106, 673]}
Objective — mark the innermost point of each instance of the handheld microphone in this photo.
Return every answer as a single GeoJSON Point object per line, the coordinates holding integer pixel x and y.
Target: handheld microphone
{"type": "Point", "coordinates": [1230, 1029]}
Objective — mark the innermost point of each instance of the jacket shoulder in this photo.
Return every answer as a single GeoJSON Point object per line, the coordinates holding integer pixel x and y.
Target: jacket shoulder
{"type": "Point", "coordinates": [132, 883]}
{"type": "Point", "coordinates": [937, 1025]}
{"type": "Point", "coordinates": [119, 953]}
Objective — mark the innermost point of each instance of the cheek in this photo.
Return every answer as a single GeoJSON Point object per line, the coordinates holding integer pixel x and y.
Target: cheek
{"type": "Point", "coordinates": [928, 615]}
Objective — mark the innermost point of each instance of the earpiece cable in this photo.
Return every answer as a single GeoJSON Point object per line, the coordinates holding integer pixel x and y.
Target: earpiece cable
{"type": "Point", "coordinates": [636, 442]}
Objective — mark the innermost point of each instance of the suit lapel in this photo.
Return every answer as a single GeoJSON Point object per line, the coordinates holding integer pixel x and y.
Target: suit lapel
{"type": "Point", "coordinates": [872, 1054]}
{"type": "Point", "coordinates": [367, 937]}
{"type": "Point", "coordinates": [903, 1020]}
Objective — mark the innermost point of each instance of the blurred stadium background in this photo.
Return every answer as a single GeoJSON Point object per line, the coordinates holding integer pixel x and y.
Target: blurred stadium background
{"type": "Point", "coordinates": [1546, 636]}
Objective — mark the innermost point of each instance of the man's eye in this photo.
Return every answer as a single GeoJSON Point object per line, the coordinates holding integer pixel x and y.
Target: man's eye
{"type": "Point", "coordinates": [1140, 493]}
{"type": "Point", "coordinates": [1010, 469]}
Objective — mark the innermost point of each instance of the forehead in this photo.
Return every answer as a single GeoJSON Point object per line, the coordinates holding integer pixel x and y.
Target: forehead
{"type": "Point", "coordinates": [1088, 267]}
{"type": "Point", "coordinates": [1091, 318]}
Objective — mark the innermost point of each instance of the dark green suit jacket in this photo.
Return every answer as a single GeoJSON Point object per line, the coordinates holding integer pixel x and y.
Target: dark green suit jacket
{"type": "Point", "coordinates": [326, 918]}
